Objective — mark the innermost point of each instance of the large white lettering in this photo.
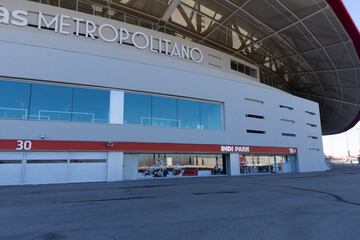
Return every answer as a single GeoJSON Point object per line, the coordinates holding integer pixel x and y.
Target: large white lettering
{"type": "Point", "coordinates": [240, 149]}
{"type": "Point", "coordinates": [63, 24]}
{"type": "Point", "coordinates": [23, 145]}
{"type": "Point", "coordinates": [67, 25]}
{"type": "Point", "coordinates": [167, 44]}
{"type": "Point", "coordinates": [4, 15]}
{"type": "Point", "coordinates": [113, 30]}
{"type": "Point", "coordinates": [90, 28]}
{"type": "Point", "coordinates": [140, 44]}
{"type": "Point", "coordinates": [175, 51]}
{"type": "Point", "coordinates": [152, 47]}
{"type": "Point", "coordinates": [53, 23]}
{"type": "Point", "coordinates": [199, 58]}
{"type": "Point", "coordinates": [18, 17]}
{"type": "Point", "coordinates": [77, 25]}
{"type": "Point", "coordinates": [124, 35]}
{"type": "Point", "coordinates": [185, 52]}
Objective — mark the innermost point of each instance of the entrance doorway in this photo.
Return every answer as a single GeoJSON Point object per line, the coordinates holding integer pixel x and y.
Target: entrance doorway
{"type": "Point", "coordinates": [267, 164]}
{"type": "Point", "coordinates": [158, 165]}
{"type": "Point", "coordinates": [290, 164]}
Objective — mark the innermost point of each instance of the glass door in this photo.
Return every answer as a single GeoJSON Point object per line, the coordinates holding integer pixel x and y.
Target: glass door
{"type": "Point", "coordinates": [290, 164]}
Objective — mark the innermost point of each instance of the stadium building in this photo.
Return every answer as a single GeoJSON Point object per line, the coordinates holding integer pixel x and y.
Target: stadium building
{"type": "Point", "coordinates": [111, 90]}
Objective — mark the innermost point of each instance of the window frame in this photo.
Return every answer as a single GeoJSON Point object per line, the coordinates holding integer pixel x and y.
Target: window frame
{"type": "Point", "coordinates": [221, 104]}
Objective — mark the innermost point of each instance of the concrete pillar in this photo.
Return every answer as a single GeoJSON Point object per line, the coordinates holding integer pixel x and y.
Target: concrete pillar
{"type": "Point", "coordinates": [234, 164]}
{"type": "Point", "coordinates": [131, 163]}
{"type": "Point", "coordinates": [116, 107]}
{"type": "Point", "coordinates": [115, 166]}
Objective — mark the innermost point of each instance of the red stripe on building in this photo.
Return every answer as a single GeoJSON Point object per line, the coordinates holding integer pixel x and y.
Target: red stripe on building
{"type": "Point", "coordinates": [44, 145]}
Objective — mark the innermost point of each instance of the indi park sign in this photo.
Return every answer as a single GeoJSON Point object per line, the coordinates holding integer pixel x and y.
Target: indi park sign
{"type": "Point", "coordinates": [67, 25]}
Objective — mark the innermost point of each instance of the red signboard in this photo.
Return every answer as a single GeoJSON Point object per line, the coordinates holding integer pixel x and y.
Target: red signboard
{"type": "Point", "coordinates": [44, 145]}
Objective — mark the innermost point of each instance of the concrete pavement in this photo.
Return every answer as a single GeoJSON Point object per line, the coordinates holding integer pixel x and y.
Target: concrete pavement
{"type": "Point", "coordinates": [298, 206]}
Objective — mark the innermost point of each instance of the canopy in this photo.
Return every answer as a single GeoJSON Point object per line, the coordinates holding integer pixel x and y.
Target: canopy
{"type": "Point", "coordinates": [309, 48]}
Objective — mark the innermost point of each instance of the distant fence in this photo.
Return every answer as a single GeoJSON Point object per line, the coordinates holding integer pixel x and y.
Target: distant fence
{"type": "Point", "coordinates": [333, 165]}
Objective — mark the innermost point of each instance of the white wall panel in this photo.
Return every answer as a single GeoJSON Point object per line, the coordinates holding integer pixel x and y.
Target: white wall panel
{"type": "Point", "coordinates": [47, 56]}
{"type": "Point", "coordinates": [131, 163]}
{"type": "Point", "coordinates": [87, 172]}
{"type": "Point", "coordinates": [10, 174]}
{"type": "Point", "coordinates": [37, 173]}
{"type": "Point", "coordinates": [115, 166]}
{"type": "Point", "coordinates": [234, 164]}
{"type": "Point", "coordinates": [116, 107]}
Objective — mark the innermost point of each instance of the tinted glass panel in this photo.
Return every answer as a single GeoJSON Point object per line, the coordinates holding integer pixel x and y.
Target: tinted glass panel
{"type": "Point", "coordinates": [164, 112]}
{"type": "Point", "coordinates": [137, 109]}
{"type": "Point", "coordinates": [179, 165]}
{"type": "Point", "coordinates": [14, 100]}
{"type": "Point", "coordinates": [50, 103]}
{"type": "Point", "coordinates": [211, 116]}
{"type": "Point", "coordinates": [91, 105]}
{"type": "Point", "coordinates": [171, 112]}
{"type": "Point", "coordinates": [233, 65]}
{"type": "Point", "coordinates": [254, 73]}
{"type": "Point", "coordinates": [241, 68]}
{"type": "Point", "coordinates": [189, 114]}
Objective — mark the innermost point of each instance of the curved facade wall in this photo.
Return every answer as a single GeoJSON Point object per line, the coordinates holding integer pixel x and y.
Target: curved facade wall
{"type": "Point", "coordinates": [43, 56]}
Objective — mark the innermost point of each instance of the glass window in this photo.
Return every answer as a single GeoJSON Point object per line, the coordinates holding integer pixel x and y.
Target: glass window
{"type": "Point", "coordinates": [91, 105]}
{"type": "Point", "coordinates": [256, 164]}
{"type": "Point", "coordinates": [254, 73]}
{"type": "Point", "coordinates": [164, 112]}
{"type": "Point", "coordinates": [247, 71]}
{"type": "Point", "coordinates": [210, 116]}
{"type": "Point", "coordinates": [179, 165]}
{"type": "Point", "coordinates": [50, 102]}
{"type": "Point", "coordinates": [14, 100]}
{"type": "Point", "coordinates": [137, 109]}
{"type": "Point", "coordinates": [189, 114]}
{"type": "Point", "coordinates": [234, 65]}
{"type": "Point", "coordinates": [241, 68]}
{"type": "Point", "coordinates": [171, 112]}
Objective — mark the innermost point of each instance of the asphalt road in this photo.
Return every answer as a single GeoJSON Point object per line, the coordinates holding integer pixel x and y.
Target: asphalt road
{"type": "Point", "coordinates": [298, 206]}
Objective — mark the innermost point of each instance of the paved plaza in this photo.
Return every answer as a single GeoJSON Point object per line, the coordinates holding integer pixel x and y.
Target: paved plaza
{"type": "Point", "coordinates": [323, 205]}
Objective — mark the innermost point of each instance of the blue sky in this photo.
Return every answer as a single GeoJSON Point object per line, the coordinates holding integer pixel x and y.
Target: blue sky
{"type": "Point", "coordinates": [337, 144]}
{"type": "Point", "coordinates": [353, 7]}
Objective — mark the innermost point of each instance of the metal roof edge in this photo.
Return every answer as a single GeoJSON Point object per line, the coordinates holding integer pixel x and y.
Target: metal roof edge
{"type": "Point", "coordinates": [345, 18]}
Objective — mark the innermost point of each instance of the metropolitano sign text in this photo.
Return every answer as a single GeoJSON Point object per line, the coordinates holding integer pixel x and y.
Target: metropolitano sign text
{"type": "Point", "coordinates": [67, 25]}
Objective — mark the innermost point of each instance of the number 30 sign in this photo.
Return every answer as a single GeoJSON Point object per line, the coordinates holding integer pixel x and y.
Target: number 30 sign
{"type": "Point", "coordinates": [23, 145]}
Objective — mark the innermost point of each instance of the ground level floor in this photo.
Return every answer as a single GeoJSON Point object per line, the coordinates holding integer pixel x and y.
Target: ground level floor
{"type": "Point", "coordinates": [44, 162]}
{"type": "Point", "coordinates": [195, 164]}
{"type": "Point", "coordinates": [311, 206]}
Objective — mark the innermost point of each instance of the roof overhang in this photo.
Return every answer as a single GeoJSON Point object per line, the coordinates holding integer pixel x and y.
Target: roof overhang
{"type": "Point", "coordinates": [309, 48]}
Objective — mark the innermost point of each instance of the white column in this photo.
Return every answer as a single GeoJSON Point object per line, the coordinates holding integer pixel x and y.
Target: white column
{"type": "Point", "coordinates": [116, 107]}
{"type": "Point", "coordinates": [131, 164]}
{"type": "Point", "coordinates": [115, 166]}
{"type": "Point", "coordinates": [234, 164]}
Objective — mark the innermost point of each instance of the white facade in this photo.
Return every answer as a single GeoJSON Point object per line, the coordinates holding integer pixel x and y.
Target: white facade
{"type": "Point", "coordinates": [34, 55]}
